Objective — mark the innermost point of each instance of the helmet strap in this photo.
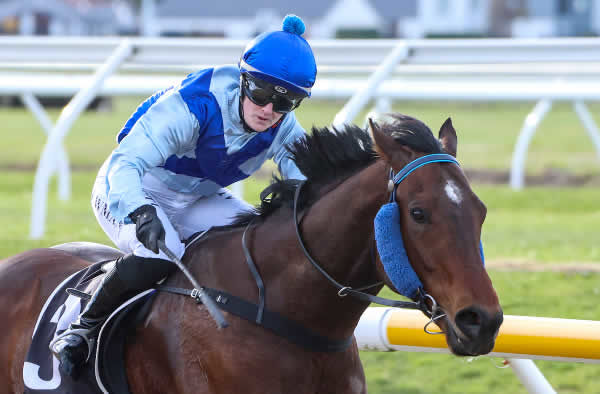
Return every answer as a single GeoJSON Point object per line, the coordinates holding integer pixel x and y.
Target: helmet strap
{"type": "Point", "coordinates": [247, 128]}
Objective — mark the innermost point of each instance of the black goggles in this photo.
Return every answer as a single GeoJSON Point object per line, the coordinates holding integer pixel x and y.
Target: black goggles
{"type": "Point", "coordinates": [262, 93]}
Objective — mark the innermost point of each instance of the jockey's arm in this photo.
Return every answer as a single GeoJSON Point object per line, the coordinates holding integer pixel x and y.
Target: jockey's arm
{"type": "Point", "coordinates": [167, 128]}
{"type": "Point", "coordinates": [287, 167]}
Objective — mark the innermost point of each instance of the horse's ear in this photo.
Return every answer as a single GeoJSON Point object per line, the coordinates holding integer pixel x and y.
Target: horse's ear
{"type": "Point", "coordinates": [448, 138]}
{"type": "Point", "coordinates": [385, 145]}
{"type": "Point", "coordinates": [380, 139]}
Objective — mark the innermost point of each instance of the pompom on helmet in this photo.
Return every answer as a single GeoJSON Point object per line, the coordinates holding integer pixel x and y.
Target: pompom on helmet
{"type": "Point", "coordinates": [278, 67]}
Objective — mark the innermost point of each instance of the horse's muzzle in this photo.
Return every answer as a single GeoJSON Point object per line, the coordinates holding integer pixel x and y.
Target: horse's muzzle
{"type": "Point", "coordinates": [473, 331]}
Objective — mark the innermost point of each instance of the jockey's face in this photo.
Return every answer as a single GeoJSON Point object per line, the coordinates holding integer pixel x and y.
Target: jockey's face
{"type": "Point", "coordinates": [257, 117]}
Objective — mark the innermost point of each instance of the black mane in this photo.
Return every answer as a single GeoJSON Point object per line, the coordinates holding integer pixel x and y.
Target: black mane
{"type": "Point", "coordinates": [329, 155]}
{"type": "Point", "coordinates": [412, 133]}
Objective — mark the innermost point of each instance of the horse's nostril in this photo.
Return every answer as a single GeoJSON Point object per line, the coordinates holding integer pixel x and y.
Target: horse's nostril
{"type": "Point", "coordinates": [469, 321]}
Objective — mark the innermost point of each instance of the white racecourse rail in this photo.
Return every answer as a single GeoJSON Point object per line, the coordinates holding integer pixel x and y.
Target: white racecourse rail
{"type": "Point", "coordinates": [500, 69]}
{"type": "Point", "coordinates": [534, 70]}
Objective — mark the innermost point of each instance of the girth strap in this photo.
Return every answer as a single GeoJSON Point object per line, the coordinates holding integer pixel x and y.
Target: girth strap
{"type": "Point", "coordinates": [273, 321]}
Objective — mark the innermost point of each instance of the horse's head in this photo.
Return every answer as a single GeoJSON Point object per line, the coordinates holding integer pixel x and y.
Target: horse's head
{"type": "Point", "coordinates": [440, 218]}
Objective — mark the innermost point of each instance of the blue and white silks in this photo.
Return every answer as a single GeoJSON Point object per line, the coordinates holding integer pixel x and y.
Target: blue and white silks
{"type": "Point", "coordinates": [388, 234]}
{"type": "Point", "coordinates": [191, 138]}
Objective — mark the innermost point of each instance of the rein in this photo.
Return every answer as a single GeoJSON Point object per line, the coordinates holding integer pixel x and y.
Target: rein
{"type": "Point", "coordinates": [347, 290]}
{"type": "Point", "coordinates": [289, 329]}
{"type": "Point", "coordinates": [435, 312]}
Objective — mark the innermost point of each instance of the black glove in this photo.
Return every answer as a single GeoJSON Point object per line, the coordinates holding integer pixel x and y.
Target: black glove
{"type": "Point", "coordinates": [148, 227]}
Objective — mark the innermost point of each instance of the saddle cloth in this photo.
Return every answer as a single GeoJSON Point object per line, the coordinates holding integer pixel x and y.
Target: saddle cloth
{"type": "Point", "coordinates": [105, 371]}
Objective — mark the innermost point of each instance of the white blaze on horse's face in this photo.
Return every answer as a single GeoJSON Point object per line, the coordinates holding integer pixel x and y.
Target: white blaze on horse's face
{"type": "Point", "coordinates": [453, 192]}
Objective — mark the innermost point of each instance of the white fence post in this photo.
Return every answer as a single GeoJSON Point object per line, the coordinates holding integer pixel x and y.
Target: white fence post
{"type": "Point", "coordinates": [62, 127]}
{"type": "Point", "coordinates": [588, 122]}
{"type": "Point", "coordinates": [62, 160]}
{"type": "Point", "coordinates": [362, 96]}
{"type": "Point", "coordinates": [530, 376]}
{"type": "Point", "coordinates": [532, 121]}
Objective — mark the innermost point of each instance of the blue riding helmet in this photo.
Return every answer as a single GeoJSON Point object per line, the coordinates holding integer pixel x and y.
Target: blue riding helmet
{"type": "Point", "coordinates": [282, 58]}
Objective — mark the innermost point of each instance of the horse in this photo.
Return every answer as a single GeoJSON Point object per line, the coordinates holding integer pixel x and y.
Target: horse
{"type": "Point", "coordinates": [327, 220]}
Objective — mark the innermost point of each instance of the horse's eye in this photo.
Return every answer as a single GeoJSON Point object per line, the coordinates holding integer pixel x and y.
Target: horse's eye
{"type": "Point", "coordinates": [418, 215]}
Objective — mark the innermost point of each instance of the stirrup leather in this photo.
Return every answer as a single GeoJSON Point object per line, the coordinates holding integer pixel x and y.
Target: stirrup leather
{"type": "Point", "coordinates": [88, 335]}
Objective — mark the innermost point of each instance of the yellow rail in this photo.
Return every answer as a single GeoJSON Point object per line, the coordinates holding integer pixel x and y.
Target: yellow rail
{"type": "Point", "coordinates": [520, 336]}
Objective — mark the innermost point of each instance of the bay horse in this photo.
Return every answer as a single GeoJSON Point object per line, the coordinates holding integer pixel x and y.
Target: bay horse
{"type": "Point", "coordinates": [350, 176]}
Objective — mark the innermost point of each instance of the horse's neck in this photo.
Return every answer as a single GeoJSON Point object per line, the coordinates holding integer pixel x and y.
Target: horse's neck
{"type": "Point", "coordinates": [339, 227]}
{"type": "Point", "coordinates": [338, 233]}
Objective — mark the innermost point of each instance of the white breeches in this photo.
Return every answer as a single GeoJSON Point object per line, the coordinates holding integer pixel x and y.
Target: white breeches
{"type": "Point", "coordinates": [182, 215]}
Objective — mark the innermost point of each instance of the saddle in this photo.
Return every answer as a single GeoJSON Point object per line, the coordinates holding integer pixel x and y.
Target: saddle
{"type": "Point", "coordinates": [105, 371]}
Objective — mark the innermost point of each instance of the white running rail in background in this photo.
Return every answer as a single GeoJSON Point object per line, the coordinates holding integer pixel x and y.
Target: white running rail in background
{"type": "Point", "coordinates": [541, 70]}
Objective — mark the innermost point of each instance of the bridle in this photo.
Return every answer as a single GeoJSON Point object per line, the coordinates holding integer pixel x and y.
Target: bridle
{"type": "Point", "coordinates": [434, 312]}
{"type": "Point", "coordinates": [280, 325]}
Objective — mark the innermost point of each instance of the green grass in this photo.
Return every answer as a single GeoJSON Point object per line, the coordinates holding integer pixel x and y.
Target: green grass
{"type": "Point", "coordinates": [486, 133]}
{"type": "Point", "coordinates": [542, 224]}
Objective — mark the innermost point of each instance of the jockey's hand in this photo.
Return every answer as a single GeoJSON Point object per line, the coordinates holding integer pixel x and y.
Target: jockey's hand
{"type": "Point", "coordinates": [148, 227]}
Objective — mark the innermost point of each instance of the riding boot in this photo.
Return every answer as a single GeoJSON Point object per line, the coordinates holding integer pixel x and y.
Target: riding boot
{"type": "Point", "coordinates": [74, 347]}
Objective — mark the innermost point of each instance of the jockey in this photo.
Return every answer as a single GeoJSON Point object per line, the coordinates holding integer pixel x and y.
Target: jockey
{"type": "Point", "coordinates": [179, 150]}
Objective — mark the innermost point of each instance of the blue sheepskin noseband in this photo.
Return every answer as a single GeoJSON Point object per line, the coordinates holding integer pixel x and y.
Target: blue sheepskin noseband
{"type": "Point", "coordinates": [388, 234]}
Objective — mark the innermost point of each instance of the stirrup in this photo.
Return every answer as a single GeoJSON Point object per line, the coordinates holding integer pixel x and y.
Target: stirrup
{"type": "Point", "coordinates": [83, 333]}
